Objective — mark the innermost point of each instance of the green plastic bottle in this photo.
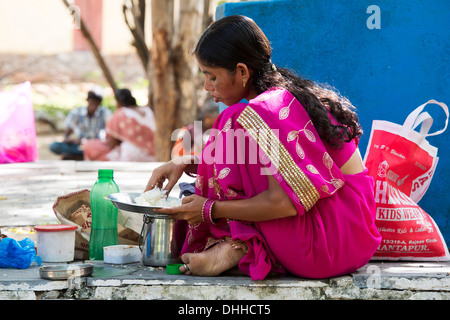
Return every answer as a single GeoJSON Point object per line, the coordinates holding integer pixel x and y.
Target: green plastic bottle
{"type": "Point", "coordinates": [104, 215]}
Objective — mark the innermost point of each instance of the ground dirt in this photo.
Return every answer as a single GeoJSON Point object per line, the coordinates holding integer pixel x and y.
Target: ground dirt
{"type": "Point", "coordinates": [43, 141]}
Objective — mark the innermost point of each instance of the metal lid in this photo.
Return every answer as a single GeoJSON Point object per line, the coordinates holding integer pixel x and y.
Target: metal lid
{"type": "Point", "coordinates": [62, 272]}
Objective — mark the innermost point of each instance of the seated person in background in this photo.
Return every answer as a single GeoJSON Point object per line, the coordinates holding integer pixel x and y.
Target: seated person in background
{"type": "Point", "coordinates": [84, 123]}
{"type": "Point", "coordinates": [129, 133]}
{"type": "Point", "coordinates": [191, 138]}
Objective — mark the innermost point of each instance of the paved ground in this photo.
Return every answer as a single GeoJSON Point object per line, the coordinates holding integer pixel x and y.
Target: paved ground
{"type": "Point", "coordinates": [29, 190]}
{"type": "Point", "coordinates": [27, 194]}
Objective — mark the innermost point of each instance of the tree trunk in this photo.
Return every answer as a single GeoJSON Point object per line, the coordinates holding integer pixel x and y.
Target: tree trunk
{"type": "Point", "coordinates": [165, 97]}
{"type": "Point", "coordinates": [190, 26]}
{"type": "Point", "coordinates": [173, 84]}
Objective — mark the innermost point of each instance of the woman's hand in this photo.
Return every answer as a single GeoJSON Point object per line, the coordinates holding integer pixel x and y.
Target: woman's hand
{"type": "Point", "coordinates": [190, 209]}
{"type": "Point", "coordinates": [172, 171]}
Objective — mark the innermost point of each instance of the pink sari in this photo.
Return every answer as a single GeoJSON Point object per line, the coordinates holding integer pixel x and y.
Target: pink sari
{"type": "Point", "coordinates": [334, 231]}
{"type": "Point", "coordinates": [134, 127]}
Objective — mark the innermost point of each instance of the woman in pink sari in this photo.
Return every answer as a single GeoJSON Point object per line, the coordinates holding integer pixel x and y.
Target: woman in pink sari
{"type": "Point", "coordinates": [280, 187]}
{"type": "Point", "coordinates": [129, 133]}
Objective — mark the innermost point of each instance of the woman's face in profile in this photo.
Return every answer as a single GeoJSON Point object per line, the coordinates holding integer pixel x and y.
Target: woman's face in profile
{"type": "Point", "coordinates": [224, 86]}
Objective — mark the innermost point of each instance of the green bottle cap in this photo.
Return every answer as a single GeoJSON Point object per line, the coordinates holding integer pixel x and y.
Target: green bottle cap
{"type": "Point", "coordinates": [105, 173]}
{"type": "Point", "coordinates": [173, 268]}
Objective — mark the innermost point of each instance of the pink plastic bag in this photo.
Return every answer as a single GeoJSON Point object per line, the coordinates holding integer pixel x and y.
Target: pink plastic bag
{"type": "Point", "coordinates": [17, 127]}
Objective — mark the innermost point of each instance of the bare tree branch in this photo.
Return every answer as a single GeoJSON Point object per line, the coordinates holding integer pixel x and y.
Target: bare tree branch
{"type": "Point", "coordinates": [95, 51]}
{"type": "Point", "coordinates": [136, 26]}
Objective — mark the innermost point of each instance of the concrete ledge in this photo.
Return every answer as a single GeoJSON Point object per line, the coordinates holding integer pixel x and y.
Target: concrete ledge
{"type": "Point", "coordinates": [376, 281]}
{"type": "Point", "coordinates": [44, 181]}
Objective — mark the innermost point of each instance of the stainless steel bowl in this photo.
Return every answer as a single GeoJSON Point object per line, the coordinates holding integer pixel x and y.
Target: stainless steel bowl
{"type": "Point", "coordinates": [127, 201]}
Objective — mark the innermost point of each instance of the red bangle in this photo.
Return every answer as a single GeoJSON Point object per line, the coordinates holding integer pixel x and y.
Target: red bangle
{"type": "Point", "coordinates": [207, 210]}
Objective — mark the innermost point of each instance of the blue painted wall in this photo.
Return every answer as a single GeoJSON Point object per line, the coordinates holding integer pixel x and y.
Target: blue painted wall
{"type": "Point", "coordinates": [385, 72]}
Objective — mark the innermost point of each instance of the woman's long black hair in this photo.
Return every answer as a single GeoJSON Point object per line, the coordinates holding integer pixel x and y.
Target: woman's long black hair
{"type": "Point", "coordinates": [125, 97]}
{"type": "Point", "coordinates": [235, 39]}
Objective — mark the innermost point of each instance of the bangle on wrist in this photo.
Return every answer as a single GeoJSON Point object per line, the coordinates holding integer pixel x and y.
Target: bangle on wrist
{"type": "Point", "coordinates": [203, 210]}
{"type": "Point", "coordinates": [207, 210]}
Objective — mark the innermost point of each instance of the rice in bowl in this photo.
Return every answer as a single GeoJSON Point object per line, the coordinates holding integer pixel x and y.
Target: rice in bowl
{"type": "Point", "coordinates": [156, 198]}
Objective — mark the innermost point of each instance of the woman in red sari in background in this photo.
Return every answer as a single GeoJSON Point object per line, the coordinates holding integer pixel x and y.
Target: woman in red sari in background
{"type": "Point", "coordinates": [280, 187]}
{"type": "Point", "coordinates": [129, 133]}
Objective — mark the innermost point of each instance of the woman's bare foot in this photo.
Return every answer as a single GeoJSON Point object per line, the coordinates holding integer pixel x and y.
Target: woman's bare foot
{"type": "Point", "coordinates": [212, 262]}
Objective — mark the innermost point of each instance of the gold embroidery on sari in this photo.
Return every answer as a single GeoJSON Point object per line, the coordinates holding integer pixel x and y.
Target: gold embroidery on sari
{"type": "Point", "coordinates": [211, 182]}
{"type": "Point", "coordinates": [212, 242]}
{"type": "Point", "coordinates": [328, 163]}
{"type": "Point", "coordinates": [293, 135]}
{"type": "Point", "coordinates": [223, 173]}
{"type": "Point", "coordinates": [190, 236]}
{"type": "Point", "coordinates": [292, 174]}
{"type": "Point", "coordinates": [237, 244]}
{"type": "Point", "coordinates": [217, 189]}
{"type": "Point", "coordinates": [231, 193]}
{"type": "Point", "coordinates": [199, 182]}
{"type": "Point", "coordinates": [284, 112]}
{"type": "Point", "coordinates": [226, 126]}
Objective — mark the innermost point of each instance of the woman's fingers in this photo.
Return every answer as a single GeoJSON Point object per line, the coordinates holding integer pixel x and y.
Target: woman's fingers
{"type": "Point", "coordinates": [169, 211]}
{"type": "Point", "coordinates": [170, 185]}
{"type": "Point", "coordinates": [187, 199]}
{"type": "Point", "coordinates": [159, 175]}
{"type": "Point", "coordinates": [170, 171]}
{"type": "Point", "coordinates": [190, 210]}
{"type": "Point", "coordinates": [155, 180]}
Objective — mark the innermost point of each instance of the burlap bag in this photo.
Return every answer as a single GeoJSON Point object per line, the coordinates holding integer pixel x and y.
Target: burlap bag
{"type": "Point", "coordinates": [75, 209]}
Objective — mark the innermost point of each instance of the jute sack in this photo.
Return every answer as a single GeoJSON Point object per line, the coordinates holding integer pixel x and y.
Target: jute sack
{"type": "Point", "coordinates": [75, 209]}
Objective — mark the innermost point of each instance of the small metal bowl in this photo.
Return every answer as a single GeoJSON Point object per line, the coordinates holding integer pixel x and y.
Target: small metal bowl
{"type": "Point", "coordinates": [63, 272]}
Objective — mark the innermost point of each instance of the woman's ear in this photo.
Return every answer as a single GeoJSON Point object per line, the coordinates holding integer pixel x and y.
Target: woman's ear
{"type": "Point", "coordinates": [243, 70]}
{"type": "Point", "coordinates": [243, 73]}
